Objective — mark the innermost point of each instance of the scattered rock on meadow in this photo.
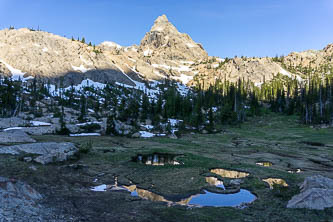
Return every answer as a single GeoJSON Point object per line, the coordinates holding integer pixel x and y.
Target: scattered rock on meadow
{"type": "Point", "coordinates": [316, 193]}
{"type": "Point", "coordinates": [43, 153]}
{"type": "Point", "coordinates": [15, 136]}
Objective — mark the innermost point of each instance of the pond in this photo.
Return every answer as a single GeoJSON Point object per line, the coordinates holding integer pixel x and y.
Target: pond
{"type": "Point", "coordinates": [156, 159]}
{"type": "Point", "coordinates": [223, 200]}
{"type": "Point", "coordinates": [295, 171]}
{"type": "Point", "coordinates": [203, 199]}
{"type": "Point", "coordinates": [265, 164]}
{"type": "Point", "coordinates": [275, 181]}
{"type": "Point", "coordinates": [215, 182]}
{"type": "Point", "coordinates": [233, 174]}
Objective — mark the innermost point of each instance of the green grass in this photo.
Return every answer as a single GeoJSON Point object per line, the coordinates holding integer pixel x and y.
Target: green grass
{"type": "Point", "coordinates": [271, 137]}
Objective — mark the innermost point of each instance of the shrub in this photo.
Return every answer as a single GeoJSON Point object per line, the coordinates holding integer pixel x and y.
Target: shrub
{"type": "Point", "coordinates": [63, 131]}
{"type": "Point", "coordinates": [86, 148]}
{"type": "Point", "coordinates": [90, 127]}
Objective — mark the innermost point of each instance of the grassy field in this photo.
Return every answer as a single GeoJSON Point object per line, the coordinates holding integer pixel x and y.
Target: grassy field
{"type": "Point", "coordinates": [280, 140]}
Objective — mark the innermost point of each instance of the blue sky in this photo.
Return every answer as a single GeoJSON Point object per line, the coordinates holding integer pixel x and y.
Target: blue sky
{"type": "Point", "coordinates": [225, 27]}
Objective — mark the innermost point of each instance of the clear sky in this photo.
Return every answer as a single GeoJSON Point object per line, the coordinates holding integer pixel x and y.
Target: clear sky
{"type": "Point", "coordinates": [225, 27]}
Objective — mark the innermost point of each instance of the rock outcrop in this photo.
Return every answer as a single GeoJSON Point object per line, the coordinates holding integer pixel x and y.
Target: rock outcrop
{"type": "Point", "coordinates": [165, 41]}
{"type": "Point", "coordinates": [122, 128]}
{"type": "Point", "coordinates": [12, 122]}
{"type": "Point", "coordinates": [25, 52]}
{"type": "Point", "coordinates": [18, 201]}
{"type": "Point", "coordinates": [314, 59]}
{"type": "Point", "coordinates": [316, 193]}
{"type": "Point", "coordinates": [43, 153]}
{"type": "Point", "coordinates": [15, 136]}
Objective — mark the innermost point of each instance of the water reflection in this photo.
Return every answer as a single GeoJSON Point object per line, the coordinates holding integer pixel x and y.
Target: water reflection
{"type": "Point", "coordinates": [207, 198]}
{"type": "Point", "coordinates": [156, 159]}
{"type": "Point", "coordinates": [229, 173]}
{"type": "Point", "coordinates": [275, 181]}
{"type": "Point", "coordinates": [295, 171]}
{"type": "Point", "coordinates": [265, 164]}
{"type": "Point", "coordinates": [145, 194]}
{"type": "Point", "coordinates": [223, 200]}
{"type": "Point", "coordinates": [215, 182]}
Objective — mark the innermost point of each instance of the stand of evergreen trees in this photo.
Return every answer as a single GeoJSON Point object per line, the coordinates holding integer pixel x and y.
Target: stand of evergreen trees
{"type": "Point", "coordinates": [312, 99]}
{"type": "Point", "coordinates": [222, 103]}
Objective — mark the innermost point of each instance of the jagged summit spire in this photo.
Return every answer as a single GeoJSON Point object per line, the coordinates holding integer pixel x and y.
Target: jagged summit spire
{"type": "Point", "coordinates": [162, 24]}
{"type": "Point", "coordinates": [165, 40]}
{"type": "Point", "coordinates": [162, 19]}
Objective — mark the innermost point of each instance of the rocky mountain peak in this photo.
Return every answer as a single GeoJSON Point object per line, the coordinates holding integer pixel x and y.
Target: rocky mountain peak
{"type": "Point", "coordinates": [164, 40]}
{"type": "Point", "coordinates": [163, 25]}
{"type": "Point", "coordinates": [161, 19]}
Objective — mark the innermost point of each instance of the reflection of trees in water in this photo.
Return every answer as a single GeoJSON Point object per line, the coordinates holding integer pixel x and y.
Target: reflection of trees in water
{"type": "Point", "coordinates": [275, 181]}
{"type": "Point", "coordinates": [148, 195]}
{"type": "Point", "coordinates": [214, 182]}
{"type": "Point", "coordinates": [265, 164]}
{"type": "Point", "coordinates": [145, 194]}
{"type": "Point", "coordinates": [229, 173]}
{"type": "Point", "coordinates": [156, 159]}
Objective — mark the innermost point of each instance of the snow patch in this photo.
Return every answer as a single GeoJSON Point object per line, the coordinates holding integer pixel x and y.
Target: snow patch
{"type": "Point", "coordinates": [286, 73]}
{"type": "Point", "coordinates": [148, 127]}
{"type": "Point", "coordinates": [112, 45]}
{"type": "Point", "coordinates": [147, 52]}
{"type": "Point", "coordinates": [138, 85]}
{"type": "Point", "coordinates": [184, 78]}
{"type": "Point", "coordinates": [190, 45]}
{"type": "Point", "coordinates": [174, 122]}
{"type": "Point", "coordinates": [38, 123]}
{"type": "Point", "coordinates": [182, 89]}
{"type": "Point", "coordinates": [187, 62]}
{"type": "Point", "coordinates": [88, 123]}
{"type": "Point", "coordinates": [85, 134]}
{"type": "Point", "coordinates": [12, 128]}
{"type": "Point", "coordinates": [81, 69]}
{"type": "Point", "coordinates": [184, 69]}
{"type": "Point", "coordinates": [16, 73]}
{"type": "Point", "coordinates": [145, 134]}
{"type": "Point", "coordinates": [87, 83]}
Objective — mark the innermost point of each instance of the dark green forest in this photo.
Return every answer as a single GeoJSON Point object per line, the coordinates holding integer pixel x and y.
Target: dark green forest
{"type": "Point", "coordinates": [222, 103]}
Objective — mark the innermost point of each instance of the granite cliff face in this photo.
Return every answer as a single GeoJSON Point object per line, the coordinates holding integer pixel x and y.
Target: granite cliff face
{"type": "Point", "coordinates": [314, 59]}
{"type": "Point", "coordinates": [40, 54]}
{"type": "Point", "coordinates": [164, 52]}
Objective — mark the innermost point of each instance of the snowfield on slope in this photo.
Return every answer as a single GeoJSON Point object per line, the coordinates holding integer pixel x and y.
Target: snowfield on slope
{"type": "Point", "coordinates": [16, 73]}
